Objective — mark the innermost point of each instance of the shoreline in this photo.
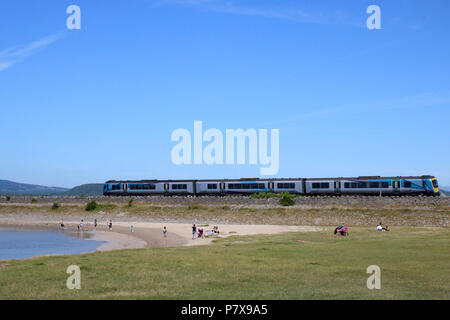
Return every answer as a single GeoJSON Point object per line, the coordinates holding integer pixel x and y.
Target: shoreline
{"type": "Point", "coordinates": [149, 234]}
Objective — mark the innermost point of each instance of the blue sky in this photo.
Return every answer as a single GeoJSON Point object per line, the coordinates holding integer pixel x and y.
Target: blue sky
{"type": "Point", "coordinates": [80, 106]}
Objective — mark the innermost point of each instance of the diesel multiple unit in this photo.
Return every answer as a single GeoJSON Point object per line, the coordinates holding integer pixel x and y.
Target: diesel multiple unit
{"type": "Point", "coordinates": [366, 185]}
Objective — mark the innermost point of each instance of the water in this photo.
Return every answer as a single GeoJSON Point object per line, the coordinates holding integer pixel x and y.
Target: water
{"type": "Point", "coordinates": [22, 244]}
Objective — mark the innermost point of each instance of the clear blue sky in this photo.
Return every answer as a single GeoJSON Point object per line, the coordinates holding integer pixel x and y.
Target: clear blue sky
{"type": "Point", "coordinates": [79, 106]}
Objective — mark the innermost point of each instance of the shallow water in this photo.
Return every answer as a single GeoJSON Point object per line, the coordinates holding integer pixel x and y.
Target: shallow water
{"type": "Point", "coordinates": [22, 244]}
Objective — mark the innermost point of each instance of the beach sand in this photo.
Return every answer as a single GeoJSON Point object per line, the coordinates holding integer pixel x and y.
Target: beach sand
{"type": "Point", "coordinates": [150, 234]}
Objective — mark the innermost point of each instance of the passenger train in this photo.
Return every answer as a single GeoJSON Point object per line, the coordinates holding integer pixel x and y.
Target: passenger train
{"type": "Point", "coordinates": [364, 185]}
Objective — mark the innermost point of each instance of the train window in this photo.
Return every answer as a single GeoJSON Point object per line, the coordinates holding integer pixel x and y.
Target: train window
{"type": "Point", "coordinates": [212, 185]}
{"type": "Point", "coordinates": [435, 183]}
{"type": "Point", "coordinates": [179, 186]}
{"type": "Point", "coordinates": [407, 184]}
{"type": "Point", "coordinates": [323, 185]}
{"type": "Point", "coordinates": [374, 185]}
{"type": "Point", "coordinates": [286, 185]}
{"type": "Point", "coordinates": [115, 187]}
{"type": "Point", "coordinates": [362, 185]}
{"type": "Point", "coordinates": [385, 184]}
{"type": "Point", "coordinates": [261, 186]}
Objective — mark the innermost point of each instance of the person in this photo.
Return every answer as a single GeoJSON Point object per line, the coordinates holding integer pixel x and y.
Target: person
{"type": "Point", "coordinates": [381, 228]}
{"type": "Point", "coordinates": [78, 226]}
{"type": "Point", "coordinates": [216, 229]}
{"type": "Point", "coordinates": [194, 231]}
{"type": "Point", "coordinates": [132, 229]}
{"type": "Point", "coordinates": [342, 230]}
{"type": "Point", "coordinates": [95, 224]}
{"type": "Point", "coordinates": [110, 225]}
{"type": "Point", "coordinates": [61, 223]}
{"type": "Point", "coordinates": [337, 229]}
{"type": "Point", "coordinates": [165, 235]}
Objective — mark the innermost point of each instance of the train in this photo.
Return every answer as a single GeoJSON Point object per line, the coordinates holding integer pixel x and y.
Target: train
{"type": "Point", "coordinates": [362, 185]}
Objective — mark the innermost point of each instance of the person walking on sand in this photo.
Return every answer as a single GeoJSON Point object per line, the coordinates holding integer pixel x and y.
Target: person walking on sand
{"type": "Point", "coordinates": [95, 224]}
{"type": "Point", "coordinates": [194, 231]}
{"type": "Point", "coordinates": [61, 223]}
{"type": "Point", "coordinates": [132, 229]}
{"type": "Point", "coordinates": [110, 225]}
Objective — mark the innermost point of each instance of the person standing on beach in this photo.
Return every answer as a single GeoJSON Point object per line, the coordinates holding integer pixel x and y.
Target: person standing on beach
{"type": "Point", "coordinates": [132, 229]}
{"type": "Point", "coordinates": [95, 224]}
{"type": "Point", "coordinates": [194, 231]}
{"type": "Point", "coordinates": [62, 224]}
{"type": "Point", "coordinates": [110, 225]}
{"type": "Point", "coordinates": [165, 235]}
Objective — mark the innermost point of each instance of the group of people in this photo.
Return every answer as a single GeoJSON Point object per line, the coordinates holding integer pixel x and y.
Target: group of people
{"type": "Point", "coordinates": [81, 225]}
{"type": "Point", "coordinates": [343, 230]}
{"type": "Point", "coordinates": [201, 233]}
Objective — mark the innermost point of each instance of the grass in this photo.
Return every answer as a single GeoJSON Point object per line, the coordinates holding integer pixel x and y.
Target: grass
{"type": "Point", "coordinates": [414, 262]}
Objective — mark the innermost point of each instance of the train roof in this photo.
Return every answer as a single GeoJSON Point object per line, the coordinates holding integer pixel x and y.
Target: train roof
{"type": "Point", "coordinates": [273, 179]}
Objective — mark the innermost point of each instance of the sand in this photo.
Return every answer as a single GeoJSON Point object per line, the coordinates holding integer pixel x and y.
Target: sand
{"type": "Point", "coordinates": [150, 234]}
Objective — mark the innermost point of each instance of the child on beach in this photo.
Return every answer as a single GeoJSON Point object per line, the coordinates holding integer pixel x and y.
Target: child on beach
{"type": "Point", "coordinates": [132, 229]}
{"type": "Point", "coordinates": [110, 225]}
{"type": "Point", "coordinates": [165, 235]}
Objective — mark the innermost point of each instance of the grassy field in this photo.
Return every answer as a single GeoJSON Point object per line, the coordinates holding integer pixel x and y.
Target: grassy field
{"type": "Point", "coordinates": [414, 262]}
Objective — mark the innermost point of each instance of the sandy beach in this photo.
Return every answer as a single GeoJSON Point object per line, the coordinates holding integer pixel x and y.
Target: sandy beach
{"type": "Point", "coordinates": [150, 234]}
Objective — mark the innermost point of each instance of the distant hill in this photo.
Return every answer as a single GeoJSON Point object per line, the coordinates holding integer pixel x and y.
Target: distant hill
{"type": "Point", "coordinates": [11, 188]}
{"type": "Point", "coordinates": [90, 189]}
{"type": "Point", "coordinates": [445, 190]}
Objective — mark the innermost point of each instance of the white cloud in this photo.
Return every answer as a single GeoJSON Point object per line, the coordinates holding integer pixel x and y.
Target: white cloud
{"type": "Point", "coordinates": [12, 55]}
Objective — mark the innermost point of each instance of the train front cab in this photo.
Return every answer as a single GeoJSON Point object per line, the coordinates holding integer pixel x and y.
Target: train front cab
{"type": "Point", "coordinates": [434, 186]}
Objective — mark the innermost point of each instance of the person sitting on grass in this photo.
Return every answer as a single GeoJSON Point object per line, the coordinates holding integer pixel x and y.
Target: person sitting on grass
{"type": "Point", "coordinates": [342, 230]}
{"type": "Point", "coordinates": [381, 228]}
{"type": "Point", "coordinates": [337, 229]}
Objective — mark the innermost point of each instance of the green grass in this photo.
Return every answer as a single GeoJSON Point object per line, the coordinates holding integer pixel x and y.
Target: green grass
{"type": "Point", "coordinates": [414, 262]}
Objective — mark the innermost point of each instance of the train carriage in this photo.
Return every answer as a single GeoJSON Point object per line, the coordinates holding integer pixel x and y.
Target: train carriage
{"type": "Point", "coordinates": [362, 185]}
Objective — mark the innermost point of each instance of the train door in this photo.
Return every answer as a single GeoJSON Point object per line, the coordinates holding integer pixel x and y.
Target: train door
{"type": "Point", "coordinates": [396, 186]}
{"type": "Point", "coordinates": [337, 187]}
{"type": "Point", "coordinates": [166, 187]}
{"type": "Point", "coordinates": [222, 186]}
{"type": "Point", "coordinates": [124, 187]}
{"type": "Point", "coordinates": [271, 186]}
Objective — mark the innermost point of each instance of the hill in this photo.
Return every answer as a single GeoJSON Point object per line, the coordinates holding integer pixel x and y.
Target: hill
{"type": "Point", "coordinates": [10, 188]}
{"type": "Point", "coordinates": [90, 189]}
